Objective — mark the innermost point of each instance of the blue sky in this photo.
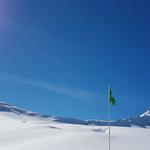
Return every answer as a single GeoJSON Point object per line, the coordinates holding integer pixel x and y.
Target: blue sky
{"type": "Point", "coordinates": [57, 57]}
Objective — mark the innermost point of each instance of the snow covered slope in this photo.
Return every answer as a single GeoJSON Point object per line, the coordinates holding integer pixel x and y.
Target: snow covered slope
{"type": "Point", "coordinates": [24, 130]}
{"type": "Point", "coordinates": [42, 135]}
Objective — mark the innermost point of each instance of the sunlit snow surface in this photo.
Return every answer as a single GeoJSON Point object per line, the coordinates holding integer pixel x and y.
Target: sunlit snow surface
{"type": "Point", "coordinates": [31, 133]}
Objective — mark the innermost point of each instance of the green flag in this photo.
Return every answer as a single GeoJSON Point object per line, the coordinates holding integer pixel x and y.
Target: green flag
{"type": "Point", "coordinates": [112, 100]}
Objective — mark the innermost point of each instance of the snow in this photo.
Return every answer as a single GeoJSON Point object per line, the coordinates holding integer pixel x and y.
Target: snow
{"type": "Point", "coordinates": [147, 113]}
{"type": "Point", "coordinates": [21, 132]}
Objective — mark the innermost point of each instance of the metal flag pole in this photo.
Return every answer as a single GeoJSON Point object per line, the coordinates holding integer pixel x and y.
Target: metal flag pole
{"type": "Point", "coordinates": [109, 113]}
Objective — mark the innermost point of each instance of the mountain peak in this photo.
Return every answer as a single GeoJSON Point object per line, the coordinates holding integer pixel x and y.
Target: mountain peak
{"type": "Point", "coordinates": [4, 107]}
{"type": "Point", "coordinates": [147, 113]}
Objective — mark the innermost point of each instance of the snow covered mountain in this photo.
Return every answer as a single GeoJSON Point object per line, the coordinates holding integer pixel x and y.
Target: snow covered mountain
{"type": "Point", "coordinates": [7, 108]}
{"type": "Point", "coordinates": [25, 130]}
{"type": "Point", "coordinates": [142, 120]}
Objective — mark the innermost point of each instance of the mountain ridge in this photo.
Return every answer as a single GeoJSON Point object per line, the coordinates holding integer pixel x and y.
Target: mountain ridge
{"type": "Point", "coordinates": [142, 121]}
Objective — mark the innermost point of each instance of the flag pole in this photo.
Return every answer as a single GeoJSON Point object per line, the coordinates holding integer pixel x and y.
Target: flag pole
{"type": "Point", "coordinates": [109, 113]}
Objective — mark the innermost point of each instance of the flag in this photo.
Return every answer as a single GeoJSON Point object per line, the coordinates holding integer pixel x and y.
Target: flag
{"type": "Point", "coordinates": [112, 100]}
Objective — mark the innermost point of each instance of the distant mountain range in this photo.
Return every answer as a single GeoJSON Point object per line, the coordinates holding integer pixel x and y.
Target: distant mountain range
{"type": "Point", "coordinates": [141, 121]}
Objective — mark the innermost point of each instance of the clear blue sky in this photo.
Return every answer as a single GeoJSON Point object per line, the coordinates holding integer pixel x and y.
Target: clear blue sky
{"type": "Point", "coordinates": [57, 56]}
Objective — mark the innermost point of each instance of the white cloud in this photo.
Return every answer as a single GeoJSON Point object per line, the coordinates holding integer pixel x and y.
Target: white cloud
{"type": "Point", "coordinates": [57, 88]}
